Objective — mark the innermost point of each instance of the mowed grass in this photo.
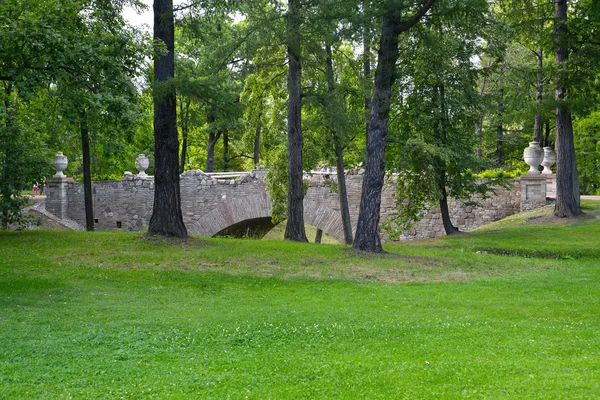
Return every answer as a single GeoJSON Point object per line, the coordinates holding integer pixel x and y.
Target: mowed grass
{"type": "Point", "coordinates": [511, 312]}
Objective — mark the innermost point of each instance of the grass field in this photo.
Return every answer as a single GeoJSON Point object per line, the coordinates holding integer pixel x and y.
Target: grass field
{"type": "Point", "coordinates": [511, 311]}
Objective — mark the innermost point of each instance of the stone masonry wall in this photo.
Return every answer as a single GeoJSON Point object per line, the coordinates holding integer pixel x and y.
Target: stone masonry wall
{"type": "Point", "coordinates": [210, 205]}
{"type": "Point", "coordinates": [322, 209]}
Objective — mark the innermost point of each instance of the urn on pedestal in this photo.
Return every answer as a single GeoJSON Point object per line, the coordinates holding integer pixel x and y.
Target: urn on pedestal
{"type": "Point", "coordinates": [533, 156]}
{"type": "Point", "coordinates": [142, 163]}
{"type": "Point", "coordinates": [60, 162]}
{"type": "Point", "coordinates": [549, 160]}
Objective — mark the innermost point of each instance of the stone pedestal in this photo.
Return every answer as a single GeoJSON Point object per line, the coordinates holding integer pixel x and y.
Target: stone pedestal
{"type": "Point", "coordinates": [551, 186]}
{"type": "Point", "coordinates": [533, 191]}
{"type": "Point", "coordinates": [56, 197]}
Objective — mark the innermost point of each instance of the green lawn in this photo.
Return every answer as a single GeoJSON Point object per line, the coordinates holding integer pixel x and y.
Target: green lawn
{"type": "Point", "coordinates": [508, 312]}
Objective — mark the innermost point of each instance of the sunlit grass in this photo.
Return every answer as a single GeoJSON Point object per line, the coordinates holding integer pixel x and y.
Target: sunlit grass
{"type": "Point", "coordinates": [509, 313]}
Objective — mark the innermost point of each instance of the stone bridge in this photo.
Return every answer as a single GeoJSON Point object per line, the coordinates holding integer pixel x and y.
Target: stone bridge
{"type": "Point", "coordinates": [234, 204]}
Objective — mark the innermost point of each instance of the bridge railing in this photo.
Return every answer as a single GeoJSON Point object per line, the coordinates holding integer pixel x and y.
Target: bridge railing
{"type": "Point", "coordinates": [225, 175]}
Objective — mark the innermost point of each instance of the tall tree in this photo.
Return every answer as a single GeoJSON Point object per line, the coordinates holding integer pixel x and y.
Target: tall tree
{"type": "Point", "coordinates": [432, 145]}
{"type": "Point", "coordinates": [567, 180]}
{"type": "Point", "coordinates": [294, 229]}
{"type": "Point", "coordinates": [166, 219]}
{"type": "Point", "coordinates": [367, 230]}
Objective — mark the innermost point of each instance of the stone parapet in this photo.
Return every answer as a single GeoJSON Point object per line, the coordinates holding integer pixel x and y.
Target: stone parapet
{"type": "Point", "coordinates": [211, 204]}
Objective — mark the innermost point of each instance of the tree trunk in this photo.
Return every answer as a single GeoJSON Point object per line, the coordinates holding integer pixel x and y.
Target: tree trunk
{"type": "Point", "coordinates": [367, 230]}
{"type": "Point", "coordinates": [547, 135]}
{"type": "Point", "coordinates": [367, 74]}
{"type": "Point", "coordinates": [537, 126]}
{"type": "Point", "coordinates": [257, 142]}
{"type": "Point", "coordinates": [294, 229]}
{"type": "Point", "coordinates": [479, 126]}
{"type": "Point", "coordinates": [210, 152]}
{"type": "Point", "coordinates": [87, 176]}
{"type": "Point", "coordinates": [225, 151]}
{"type": "Point", "coordinates": [442, 139]}
{"type": "Point", "coordinates": [184, 115]}
{"type": "Point", "coordinates": [444, 211]}
{"type": "Point", "coordinates": [166, 219]}
{"type": "Point", "coordinates": [567, 180]}
{"type": "Point", "coordinates": [500, 131]}
{"type": "Point", "coordinates": [94, 154]}
{"type": "Point", "coordinates": [339, 156]}
{"type": "Point", "coordinates": [318, 236]}
{"type": "Point", "coordinates": [213, 137]}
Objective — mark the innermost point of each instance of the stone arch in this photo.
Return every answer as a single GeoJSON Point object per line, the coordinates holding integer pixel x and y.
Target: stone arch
{"type": "Point", "coordinates": [231, 211]}
{"type": "Point", "coordinates": [323, 216]}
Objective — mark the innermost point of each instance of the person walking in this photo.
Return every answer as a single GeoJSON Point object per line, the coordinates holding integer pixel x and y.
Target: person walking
{"type": "Point", "coordinates": [43, 186]}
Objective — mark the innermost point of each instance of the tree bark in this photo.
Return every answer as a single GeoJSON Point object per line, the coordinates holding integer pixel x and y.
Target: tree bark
{"type": "Point", "coordinates": [500, 131]}
{"type": "Point", "coordinates": [213, 137]}
{"type": "Point", "coordinates": [367, 230]}
{"type": "Point", "coordinates": [225, 151]}
{"type": "Point", "coordinates": [257, 142]}
{"type": "Point", "coordinates": [440, 132]}
{"type": "Point", "coordinates": [184, 116]}
{"type": "Point", "coordinates": [367, 73]}
{"type": "Point", "coordinates": [294, 229]}
{"type": "Point", "coordinates": [537, 126]}
{"type": "Point", "coordinates": [166, 219]}
{"type": "Point", "coordinates": [339, 155]}
{"type": "Point", "coordinates": [318, 236]}
{"type": "Point", "coordinates": [567, 180]}
{"type": "Point", "coordinates": [87, 176]}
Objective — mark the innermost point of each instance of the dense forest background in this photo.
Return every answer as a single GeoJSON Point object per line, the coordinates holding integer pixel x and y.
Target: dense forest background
{"type": "Point", "coordinates": [474, 82]}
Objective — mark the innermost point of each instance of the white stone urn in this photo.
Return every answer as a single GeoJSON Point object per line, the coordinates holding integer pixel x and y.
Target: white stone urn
{"type": "Point", "coordinates": [60, 162]}
{"type": "Point", "coordinates": [533, 155]}
{"type": "Point", "coordinates": [142, 163]}
{"type": "Point", "coordinates": [549, 160]}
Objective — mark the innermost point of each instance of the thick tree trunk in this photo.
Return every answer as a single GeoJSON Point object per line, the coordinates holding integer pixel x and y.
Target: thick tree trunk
{"type": "Point", "coordinates": [257, 142]}
{"type": "Point", "coordinates": [537, 126]}
{"type": "Point", "coordinates": [367, 230]}
{"type": "Point", "coordinates": [567, 180]}
{"type": "Point", "coordinates": [87, 176]}
{"type": "Point", "coordinates": [367, 74]}
{"type": "Point", "coordinates": [339, 156]}
{"type": "Point", "coordinates": [294, 229]}
{"type": "Point", "coordinates": [166, 219]}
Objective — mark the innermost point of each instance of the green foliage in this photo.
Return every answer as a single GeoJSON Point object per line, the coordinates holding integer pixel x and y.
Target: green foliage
{"type": "Point", "coordinates": [432, 143]}
{"type": "Point", "coordinates": [500, 173]}
{"type": "Point", "coordinates": [587, 146]}
{"type": "Point", "coordinates": [277, 183]}
{"type": "Point", "coordinates": [22, 161]}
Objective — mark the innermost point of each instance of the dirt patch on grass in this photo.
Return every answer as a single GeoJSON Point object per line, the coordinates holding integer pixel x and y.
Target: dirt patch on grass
{"type": "Point", "coordinates": [186, 244]}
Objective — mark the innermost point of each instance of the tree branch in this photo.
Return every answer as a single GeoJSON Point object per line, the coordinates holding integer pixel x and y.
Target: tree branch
{"type": "Point", "coordinates": [403, 26]}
